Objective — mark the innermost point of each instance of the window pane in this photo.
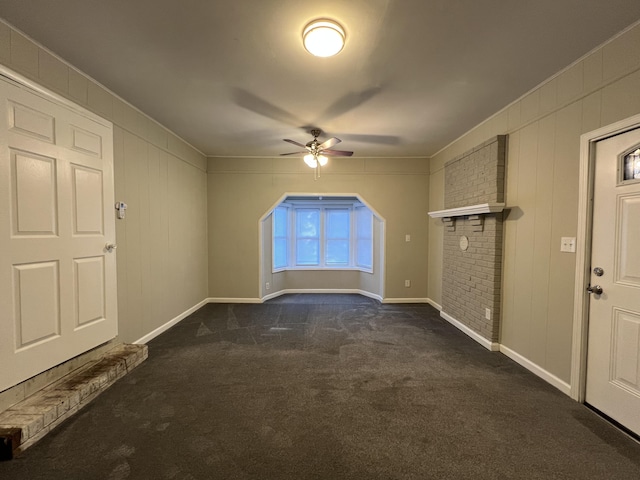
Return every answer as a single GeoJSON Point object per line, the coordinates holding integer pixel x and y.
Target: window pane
{"type": "Point", "coordinates": [280, 222]}
{"type": "Point", "coordinates": [280, 252]}
{"type": "Point", "coordinates": [337, 252]}
{"type": "Point", "coordinates": [337, 235]}
{"type": "Point", "coordinates": [307, 236]}
{"type": "Point", "coordinates": [365, 253]}
{"type": "Point", "coordinates": [281, 237]}
{"type": "Point", "coordinates": [307, 223]}
{"type": "Point", "coordinates": [337, 224]}
{"type": "Point", "coordinates": [364, 220]}
{"type": "Point", "coordinates": [307, 252]}
{"type": "Point", "coordinates": [632, 166]}
{"type": "Point", "coordinates": [364, 237]}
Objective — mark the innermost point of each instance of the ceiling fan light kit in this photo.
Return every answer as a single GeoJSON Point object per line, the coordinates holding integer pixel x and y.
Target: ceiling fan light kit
{"type": "Point", "coordinates": [316, 153]}
{"type": "Point", "coordinates": [314, 160]}
{"type": "Point", "coordinates": [323, 38]}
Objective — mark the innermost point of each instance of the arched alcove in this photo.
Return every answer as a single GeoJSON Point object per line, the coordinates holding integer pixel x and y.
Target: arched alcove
{"type": "Point", "coordinates": [346, 279]}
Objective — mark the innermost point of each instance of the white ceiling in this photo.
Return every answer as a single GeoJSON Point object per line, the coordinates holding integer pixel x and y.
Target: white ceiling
{"type": "Point", "coordinates": [232, 78]}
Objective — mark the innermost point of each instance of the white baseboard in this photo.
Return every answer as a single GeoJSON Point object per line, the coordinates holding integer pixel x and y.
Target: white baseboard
{"type": "Point", "coordinates": [435, 305]}
{"type": "Point", "coordinates": [325, 291]}
{"type": "Point", "coordinates": [486, 343]}
{"type": "Point", "coordinates": [163, 328]}
{"type": "Point", "coordinates": [233, 300]}
{"type": "Point", "coordinates": [272, 295]}
{"type": "Point", "coordinates": [561, 385]}
{"type": "Point", "coordinates": [405, 300]}
{"type": "Point", "coordinates": [322, 290]}
{"type": "Point", "coordinates": [375, 296]}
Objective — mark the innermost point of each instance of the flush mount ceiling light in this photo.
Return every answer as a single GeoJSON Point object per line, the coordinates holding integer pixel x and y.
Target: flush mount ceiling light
{"type": "Point", "coordinates": [323, 38]}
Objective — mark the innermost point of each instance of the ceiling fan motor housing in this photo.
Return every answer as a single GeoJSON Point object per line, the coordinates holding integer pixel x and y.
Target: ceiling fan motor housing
{"type": "Point", "coordinates": [313, 144]}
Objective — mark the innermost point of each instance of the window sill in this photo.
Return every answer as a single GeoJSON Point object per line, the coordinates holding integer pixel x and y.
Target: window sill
{"type": "Point", "coordinates": [322, 269]}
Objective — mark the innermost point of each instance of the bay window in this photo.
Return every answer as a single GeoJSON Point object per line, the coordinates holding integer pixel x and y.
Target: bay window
{"type": "Point", "coordinates": [322, 235]}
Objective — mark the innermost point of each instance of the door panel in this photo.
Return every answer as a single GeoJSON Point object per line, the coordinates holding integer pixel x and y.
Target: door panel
{"type": "Point", "coordinates": [57, 280]}
{"type": "Point", "coordinates": [627, 251]}
{"type": "Point", "coordinates": [34, 194]}
{"type": "Point", "coordinates": [613, 356]}
{"type": "Point", "coordinates": [626, 345]}
{"type": "Point", "coordinates": [37, 293]}
{"type": "Point", "coordinates": [32, 122]}
{"type": "Point", "coordinates": [90, 287]}
{"type": "Point", "coordinates": [87, 201]}
{"type": "Point", "coordinates": [86, 142]}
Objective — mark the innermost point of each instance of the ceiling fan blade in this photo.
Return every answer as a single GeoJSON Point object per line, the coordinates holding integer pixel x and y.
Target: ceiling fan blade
{"type": "Point", "coordinates": [297, 144]}
{"type": "Point", "coordinates": [348, 102]}
{"type": "Point", "coordinates": [295, 153]}
{"type": "Point", "coordinates": [336, 153]}
{"type": "Point", "coordinates": [254, 103]}
{"type": "Point", "coordinates": [329, 143]}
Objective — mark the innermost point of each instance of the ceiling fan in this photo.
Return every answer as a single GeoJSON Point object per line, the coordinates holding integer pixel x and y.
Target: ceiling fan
{"type": "Point", "coordinates": [316, 153]}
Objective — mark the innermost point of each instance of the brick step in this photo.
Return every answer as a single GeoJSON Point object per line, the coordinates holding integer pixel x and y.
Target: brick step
{"type": "Point", "coordinates": [28, 421]}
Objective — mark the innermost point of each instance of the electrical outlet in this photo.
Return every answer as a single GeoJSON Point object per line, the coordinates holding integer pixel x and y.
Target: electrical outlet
{"type": "Point", "coordinates": [407, 283]}
{"type": "Point", "coordinates": [267, 285]}
{"type": "Point", "coordinates": [487, 313]}
{"type": "Point", "coordinates": [568, 244]}
{"type": "Point", "coordinates": [407, 238]}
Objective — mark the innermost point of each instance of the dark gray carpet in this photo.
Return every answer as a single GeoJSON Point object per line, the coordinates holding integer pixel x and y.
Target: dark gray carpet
{"type": "Point", "coordinates": [328, 387]}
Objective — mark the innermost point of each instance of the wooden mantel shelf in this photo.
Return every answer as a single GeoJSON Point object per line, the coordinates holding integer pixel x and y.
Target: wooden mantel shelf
{"type": "Point", "coordinates": [470, 210]}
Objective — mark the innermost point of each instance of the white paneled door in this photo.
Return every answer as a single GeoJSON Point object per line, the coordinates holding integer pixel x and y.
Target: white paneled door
{"type": "Point", "coordinates": [57, 279]}
{"type": "Point", "coordinates": [613, 358]}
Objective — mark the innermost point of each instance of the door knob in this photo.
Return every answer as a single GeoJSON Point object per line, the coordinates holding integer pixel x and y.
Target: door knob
{"type": "Point", "coordinates": [110, 247]}
{"type": "Point", "coordinates": [597, 289]}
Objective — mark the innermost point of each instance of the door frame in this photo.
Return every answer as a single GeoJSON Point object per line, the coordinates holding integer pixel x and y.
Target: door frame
{"type": "Point", "coordinates": [36, 88]}
{"type": "Point", "coordinates": [583, 250]}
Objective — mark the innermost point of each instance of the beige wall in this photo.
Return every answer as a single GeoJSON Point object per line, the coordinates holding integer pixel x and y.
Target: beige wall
{"type": "Point", "coordinates": [242, 190]}
{"type": "Point", "coordinates": [162, 244]}
{"type": "Point", "coordinates": [544, 130]}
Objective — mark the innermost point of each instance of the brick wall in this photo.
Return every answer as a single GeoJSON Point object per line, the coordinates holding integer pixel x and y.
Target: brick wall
{"type": "Point", "coordinates": [472, 278]}
{"type": "Point", "coordinates": [476, 176]}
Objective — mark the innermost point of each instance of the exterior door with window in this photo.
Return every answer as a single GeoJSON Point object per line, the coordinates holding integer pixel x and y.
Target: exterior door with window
{"type": "Point", "coordinates": [613, 357]}
{"type": "Point", "coordinates": [57, 278]}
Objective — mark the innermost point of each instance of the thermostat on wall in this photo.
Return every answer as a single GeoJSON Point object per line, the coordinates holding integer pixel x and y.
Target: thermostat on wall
{"type": "Point", "coordinates": [464, 243]}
